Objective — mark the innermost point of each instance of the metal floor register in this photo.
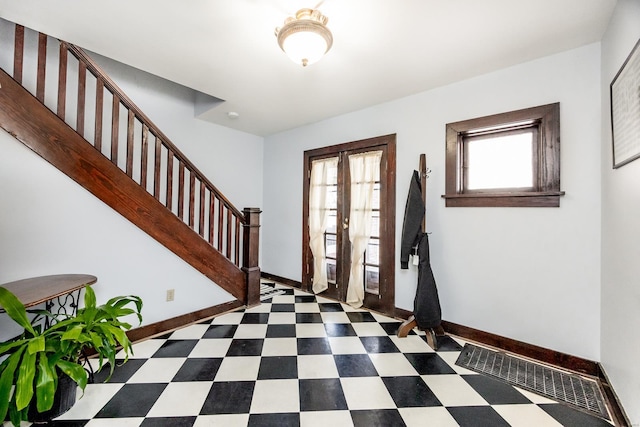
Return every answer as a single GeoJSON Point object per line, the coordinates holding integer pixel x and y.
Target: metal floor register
{"type": "Point", "coordinates": [556, 384]}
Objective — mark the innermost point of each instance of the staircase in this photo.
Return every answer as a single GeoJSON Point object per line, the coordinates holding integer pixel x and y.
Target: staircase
{"type": "Point", "coordinates": [68, 111]}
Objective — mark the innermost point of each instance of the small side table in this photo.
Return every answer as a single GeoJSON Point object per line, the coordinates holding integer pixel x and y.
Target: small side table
{"type": "Point", "coordinates": [65, 288]}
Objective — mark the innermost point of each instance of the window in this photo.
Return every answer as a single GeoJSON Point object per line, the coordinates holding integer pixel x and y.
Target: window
{"type": "Point", "coordinates": [508, 159]}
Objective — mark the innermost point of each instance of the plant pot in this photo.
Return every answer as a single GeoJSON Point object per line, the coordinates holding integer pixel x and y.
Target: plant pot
{"type": "Point", "coordinates": [64, 399]}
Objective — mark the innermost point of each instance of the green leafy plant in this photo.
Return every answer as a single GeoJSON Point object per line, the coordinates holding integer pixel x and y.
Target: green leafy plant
{"type": "Point", "coordinates": [36, 358]}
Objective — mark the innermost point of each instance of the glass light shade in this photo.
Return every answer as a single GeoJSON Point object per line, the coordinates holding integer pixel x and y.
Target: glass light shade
{"type": "Point", "coordinates": [305, 47]}
{"type": "Point", "coordinates": [305, 38]}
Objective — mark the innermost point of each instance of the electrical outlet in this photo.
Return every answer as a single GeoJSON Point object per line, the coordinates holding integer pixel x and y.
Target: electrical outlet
{"type": "Point", "coordinates": [171, 293]}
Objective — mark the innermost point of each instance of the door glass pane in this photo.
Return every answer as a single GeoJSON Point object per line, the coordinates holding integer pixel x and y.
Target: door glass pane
{"type": "Point", "coordinates": [332, 194]}
{"type": "Point", "coordinates": [371, 280]}
{"type": "Point", "coordinates": [375, 201]}
{"type": "Point", "coordinates": [332, 220]}
{"type": "Point", "coordinates": [375, 224]}
{"type": "Point", "coordinates": [330, 248]}
{"type": "Point", "coordinates": [331, 270]}
{"type": "Point", "coordinates": [372, 256]}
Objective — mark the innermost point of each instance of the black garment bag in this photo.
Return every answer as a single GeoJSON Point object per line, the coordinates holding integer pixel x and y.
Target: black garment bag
{"type": "Point", "coordinates": [426, 305]}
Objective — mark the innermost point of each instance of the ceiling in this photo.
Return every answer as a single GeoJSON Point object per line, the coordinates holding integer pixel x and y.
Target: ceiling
{"type": "Point", "coordinates": [383, 49]}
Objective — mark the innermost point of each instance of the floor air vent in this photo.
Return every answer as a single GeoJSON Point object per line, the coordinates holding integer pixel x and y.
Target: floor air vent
{"type": "Point", "coordinates": [555, 384]}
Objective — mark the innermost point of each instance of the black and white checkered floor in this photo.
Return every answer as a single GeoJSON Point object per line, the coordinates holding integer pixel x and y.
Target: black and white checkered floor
{"type": "Point", "coordinates": [299, 359]}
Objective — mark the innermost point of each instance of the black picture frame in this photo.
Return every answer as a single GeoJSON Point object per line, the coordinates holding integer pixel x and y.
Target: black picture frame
{"type": "Point", "coordinates": [625, 110]}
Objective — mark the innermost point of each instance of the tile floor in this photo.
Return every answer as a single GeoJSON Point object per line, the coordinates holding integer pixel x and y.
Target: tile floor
{"type": "Point", "coordinates": [302, 360]}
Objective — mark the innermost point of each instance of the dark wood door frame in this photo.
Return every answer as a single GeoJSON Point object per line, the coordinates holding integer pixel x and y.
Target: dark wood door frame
{"type": "Point", "coordinates": [387, 211]}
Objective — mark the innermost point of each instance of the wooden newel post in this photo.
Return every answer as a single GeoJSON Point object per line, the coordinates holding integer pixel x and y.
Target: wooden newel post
{"type": "Point", "coordinates": [251, 245]}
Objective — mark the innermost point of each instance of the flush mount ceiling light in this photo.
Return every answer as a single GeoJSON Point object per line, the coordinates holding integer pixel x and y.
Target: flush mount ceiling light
{"type": "Point", "coordinates": [305, 38]}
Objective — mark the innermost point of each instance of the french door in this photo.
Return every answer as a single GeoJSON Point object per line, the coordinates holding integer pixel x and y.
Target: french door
{"type": "Point", "coordinates": [355, 214]}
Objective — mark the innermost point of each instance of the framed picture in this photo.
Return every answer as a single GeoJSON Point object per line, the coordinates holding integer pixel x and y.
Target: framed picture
{"type": "Point", "coordinates": [625, 110]}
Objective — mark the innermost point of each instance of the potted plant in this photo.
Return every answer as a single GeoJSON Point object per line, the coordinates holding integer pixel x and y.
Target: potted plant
{"type": "Point", "coordinates": [42, 364]}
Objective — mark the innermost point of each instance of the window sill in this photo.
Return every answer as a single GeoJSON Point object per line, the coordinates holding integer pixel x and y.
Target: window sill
{"type": "Point", "coordinates": [549, 199]}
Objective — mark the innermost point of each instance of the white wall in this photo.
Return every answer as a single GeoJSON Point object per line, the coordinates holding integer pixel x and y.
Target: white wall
{"type": "Point", "coordinates": [531, 274]}
{"type": "Point", "coordinates": [50, 225]}
{"type": "Point", "coordinates": [620, 343]}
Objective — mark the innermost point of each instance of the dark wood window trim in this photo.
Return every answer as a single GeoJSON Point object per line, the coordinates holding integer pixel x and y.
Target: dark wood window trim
{"type": "Point", "coordinates": [546, 189]}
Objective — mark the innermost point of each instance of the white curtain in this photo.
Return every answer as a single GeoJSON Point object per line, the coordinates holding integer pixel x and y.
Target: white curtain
{"type": "Point", "coordinates": [318, 214]}
{"type": "Point", "coordinates": [365, 171]}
